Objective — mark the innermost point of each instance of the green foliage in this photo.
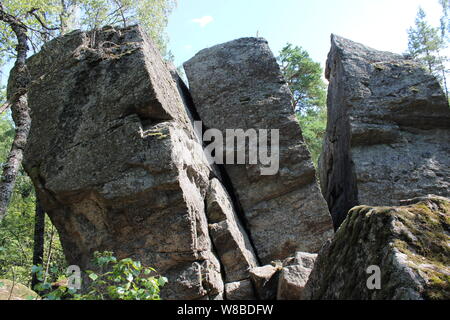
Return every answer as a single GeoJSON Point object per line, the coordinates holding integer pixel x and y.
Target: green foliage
{"type": "Point", "coordinates": [114, 279]}
{"type": "Point", "coordinates": [313, 124]}
{"type": "Point", "coordinates": [61, 16]}
{"type": "Point", "coordinates": [424, 41]}
{"type": "Point", "coordinates": [426, 44]}
{"type": "Point", "coordinates": [17, 228]}
{"type": "Point", "coordinates": [122, 280]}
{"type": "Point", "coordinates": [445, 19]}
{"type": "Point", "coordinates": [48, 13]}
{"type": "Point", "coordinates": [6, 137]}
{"type": "Point", "coordinates": [304, 77]}
{"type": "Point", "coordinates": [67, 15]}
{"type": "Point", "coordinates": [2, 94]}
{"type": "Point", "coordinates": [152, 15]}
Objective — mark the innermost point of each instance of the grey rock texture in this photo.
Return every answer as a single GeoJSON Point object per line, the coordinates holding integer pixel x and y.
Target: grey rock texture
{"type": "Point", "coordinates": [265, 281]}
{"type": "Point", "coordinates": [115, 161]}
{"type": "Point", "coordinates": [408, 243]}
{"type": "Point", "coordinates": [229, 237]}
{"type": "Point", "coordinates": [292, 282]}
{"type": "Point", "coordinates": [304, 259]}
{"type": "Point", "coordinates": [239, 290]}
{"type": "Point", "coordinates": [238, 85]}
{"type": "Point", "coordinates": [294, 275]}
{"type": "Point", "coordinates": [388, 130]}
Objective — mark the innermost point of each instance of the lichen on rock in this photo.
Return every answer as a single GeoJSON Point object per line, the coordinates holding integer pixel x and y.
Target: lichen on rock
{"type": "Point", "coordinates": [388, 130]}
{"type": "Point", "coordinates": [409, 243]}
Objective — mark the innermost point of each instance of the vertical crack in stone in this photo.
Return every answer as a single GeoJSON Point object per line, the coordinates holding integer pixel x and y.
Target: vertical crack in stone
{"type": "Point", "coordinates": [222, 173]}
{"type": "Point", "coordinates": [336, 170]}
{"type": "Point", "coordinates": [227, 236]}
{"type": "Point", "coordinates": [239, 85]}
{"type": "Point", "coordinates": [128, 143]}
{"type": "Point", "coordinates": [387, 136]}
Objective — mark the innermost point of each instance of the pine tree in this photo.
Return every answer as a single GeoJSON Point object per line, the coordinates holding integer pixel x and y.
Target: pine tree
{"type": "Point", "coordinates": [445, 20]}
{"type": "Point", "coordinates": [304, 77]}
{"type": "Point", "coordinates": [425, 43]}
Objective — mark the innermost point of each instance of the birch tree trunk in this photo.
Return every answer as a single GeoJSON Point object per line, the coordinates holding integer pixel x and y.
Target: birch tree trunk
{"type": "Point", "coordinates": [20, 112]}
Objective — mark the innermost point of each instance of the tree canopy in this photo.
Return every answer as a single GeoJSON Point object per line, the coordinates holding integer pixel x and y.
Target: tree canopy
{"type": "Point", "coordinates": [445, 19]}
{"type": "Point", "coordinates": [24, 27]}
{"type": "Point", "coordinates": [426, 43]}
{"type": "Point", "coordinates": [304, 77]}
{"type": "Point", "coordinates": [27, 25]}
{"type": "Point", "coordinates": [45, 19]}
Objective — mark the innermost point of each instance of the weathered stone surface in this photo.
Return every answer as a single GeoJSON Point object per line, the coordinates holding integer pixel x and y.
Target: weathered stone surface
{"type": "Point", "coordinates": [408, 243]}
{"type": "Point", "coordinates": [304, 259]}
{"type": "Point", "coordinates": [238, 85]}
{"type": "Point", "coordinates": [388, 130]}
{"type": "Point", "coordinates": [294, 275]}
{"type": "Point", "coordinates": [239, 290]}
{"type": "Point", "coordinates": [228, 235]}
{"type": "Point", "coordinates": [292, 282]}
{"type": "Point", "coordinates": [229, 238]}
{"type": "Point", "coordinates": [10, 290]}
{"type": "Point", "coordinates": [265, 281]}
{"type": "Point", "coordinates": [115, 161]}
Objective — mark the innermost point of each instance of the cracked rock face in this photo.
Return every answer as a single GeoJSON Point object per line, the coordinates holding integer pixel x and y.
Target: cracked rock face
{"type": "Point", "coordinates": [388, 130]}
{"type": "Point", "coordinates": [229, 237]}
{"type": "Point", "coordinates": [408, 243]}
{"type": "Point", "coordinates": [238, 85]}
{"type": "Point", "coordinates": [239, 290]}
{"type": "Point", "coordinates": [117, 166]}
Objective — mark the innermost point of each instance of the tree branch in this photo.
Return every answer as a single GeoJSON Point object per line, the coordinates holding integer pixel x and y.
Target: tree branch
{"type": "Point", "coordinates": [43, 25]}
{"type": "Point", "coordinates": [18, 102]}
{"type": "Point", "coordinates": [5, 107]}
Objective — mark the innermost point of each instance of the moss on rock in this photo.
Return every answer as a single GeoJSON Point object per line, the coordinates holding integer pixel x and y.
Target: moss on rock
{"type": "Point", "coordinates": [410, 244]}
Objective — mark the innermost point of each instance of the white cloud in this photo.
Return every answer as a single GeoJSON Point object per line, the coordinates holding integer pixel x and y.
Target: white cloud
{"type": "Point", "coordinates": [188, 46]}
{"type": "Point", "coordinates": [203, 21]}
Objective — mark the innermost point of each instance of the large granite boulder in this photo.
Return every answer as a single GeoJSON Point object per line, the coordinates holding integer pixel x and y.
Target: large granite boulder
{"type": "Point", "coordinates": [228, 235]}
{"type": "Point", "coordinates": [265, 281]}
{"type": "Point", "coordinates": [383, 253]}
{"type": "Point", "coordinates": [10, 290]}
{"type": "Point", "coordinates": [239, 290]}
{"type": "Point", "coordinates": [294, 276]}
{"type": "Point", "coordinates": [238, 85]}
{"type": "Point", "coordinates": [388, 130]}
{"type": "Point", "coordinates": [116, 163]}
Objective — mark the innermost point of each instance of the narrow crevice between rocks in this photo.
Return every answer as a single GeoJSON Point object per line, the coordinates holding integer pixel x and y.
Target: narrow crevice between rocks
{"type": "Point", "coordinates": [338, 177]}
{"type": "Point", "coordinates": [215, 252]}
{"type": "Point", "coordinates": [224, 177]}
{"type": "Point", "coordinates": [226, 181]}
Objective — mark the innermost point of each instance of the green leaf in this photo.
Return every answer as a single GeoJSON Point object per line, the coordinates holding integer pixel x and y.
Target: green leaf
{"type": "Point", "coordinates": [35, 269]}
{"type": "Point", "coordinates": [137, 265]}
{"type": "Point", "coordinates": [162, 281]}
{"type": "Point", "coordinates": [130, 277]}
{"type": "Point", "coordinates": [93, 276]}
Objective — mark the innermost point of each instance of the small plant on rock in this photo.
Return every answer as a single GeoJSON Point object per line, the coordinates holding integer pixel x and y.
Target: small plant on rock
{"type": "Point", "coordinates": [114, 279]}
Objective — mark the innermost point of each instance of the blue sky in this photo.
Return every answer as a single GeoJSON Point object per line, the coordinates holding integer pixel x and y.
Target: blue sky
{"type": "Point", "coordinates": [381, 24]}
